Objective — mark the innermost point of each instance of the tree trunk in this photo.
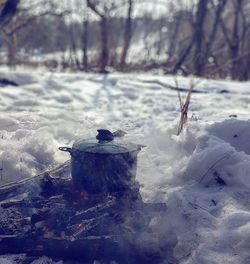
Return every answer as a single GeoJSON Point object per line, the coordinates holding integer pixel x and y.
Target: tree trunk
{"type": "Point", "coordinates": [85, 38]}
{"type": "Point", "coordinates": [73, 48]}
{"type": "Point", "coordinates": [104, 43]}
{"type": "Point", "coordinates": [10, 40]}
{"type": "Point", "coordinates": [104, 35]}
{"type": "Point", "coordinates": [127, 35]}
{"type": "Point", "coordinates": [12, 52]}
{"type": "Point", "coordinates": [219, 10]}
{"type": "Point", "coordinates": [245, 74]}
{"type": "Point", "coordinates": [235, 43]}
{"type": "Point", "coordinates": [199, 37]}
{"type": "Point", "coordinates": [174, 37]}
{"type": "Point", "coordinates": [85, 45]}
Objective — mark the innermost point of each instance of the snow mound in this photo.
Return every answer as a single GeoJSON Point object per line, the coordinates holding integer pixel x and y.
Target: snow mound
{"type": "Point", "coordinates": [207, 189]}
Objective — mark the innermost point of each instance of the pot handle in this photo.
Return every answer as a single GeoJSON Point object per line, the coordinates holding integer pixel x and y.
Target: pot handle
{"type": "Point", "coordinates": [66, 149]}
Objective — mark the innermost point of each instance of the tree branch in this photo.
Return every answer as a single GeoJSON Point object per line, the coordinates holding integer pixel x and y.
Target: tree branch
{"type": "Point", "coordinates": [31, 19]}
{"type": "Point", "coordinates": [93, 7]}
{"type": "Point", "coordinates": [8, 11]}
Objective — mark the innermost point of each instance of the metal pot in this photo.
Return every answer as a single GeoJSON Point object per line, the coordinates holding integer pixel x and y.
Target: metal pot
{"type": "Point", "coordinates": [103, 165]}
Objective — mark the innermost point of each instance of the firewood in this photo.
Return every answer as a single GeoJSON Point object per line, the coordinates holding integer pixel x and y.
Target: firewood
{"type": "Point", "coordinates": [89, 248]}
{"type": "Point", "coordinates": [56, 219]}
{"type": "Point", "coordinates": [94, 211]}
{"type": "Point", "coordinates": [33, 183]}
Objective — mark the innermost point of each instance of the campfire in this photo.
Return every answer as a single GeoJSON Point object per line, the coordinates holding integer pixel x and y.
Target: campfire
{"type": "Point", "coordinates": [60, 214]}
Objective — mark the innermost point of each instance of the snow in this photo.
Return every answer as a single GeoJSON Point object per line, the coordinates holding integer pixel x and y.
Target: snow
{"type": "Point", "coordinates": [13, 259]}
{"type": "Point", "coordinates": [208, 198]}
{"type": "Point", "coordinates": [202, 175]}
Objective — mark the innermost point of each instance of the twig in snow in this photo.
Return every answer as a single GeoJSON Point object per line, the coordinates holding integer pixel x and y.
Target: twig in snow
{"type": "Point", "coordinates": [184, 106]}
{"type": "Point", "coordinates": [1, 171]}
{"type": "Point", "coordinates": [227, 154]}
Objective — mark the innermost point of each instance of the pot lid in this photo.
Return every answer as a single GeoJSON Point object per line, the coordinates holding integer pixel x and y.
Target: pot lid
{"type": "Point", "coordinates": [105, 143]}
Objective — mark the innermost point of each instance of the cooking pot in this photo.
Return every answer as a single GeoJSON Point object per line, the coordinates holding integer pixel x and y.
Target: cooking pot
{"type": "Point", "coordinates": [104, 164]}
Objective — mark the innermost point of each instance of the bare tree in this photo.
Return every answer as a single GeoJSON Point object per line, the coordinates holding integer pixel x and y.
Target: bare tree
{"type": "Point", "coordinates": [102, 14]}
{"type": "Point", "coordinates": [234, 36]}
{"type": "Point", "coordinates": [199, 46]}
{"type": "Point", "coordinates": [203, 37]}
{"type": "Point", "coordinates": [18, 21]}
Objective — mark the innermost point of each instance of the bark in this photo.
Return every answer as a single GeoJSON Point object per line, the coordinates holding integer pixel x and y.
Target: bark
{"type": "Point", "coordinates": [127, 34]}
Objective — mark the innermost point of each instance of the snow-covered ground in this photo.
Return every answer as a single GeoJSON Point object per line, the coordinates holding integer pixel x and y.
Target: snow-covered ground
{"type": "Point", "coordinates": [203, 175]}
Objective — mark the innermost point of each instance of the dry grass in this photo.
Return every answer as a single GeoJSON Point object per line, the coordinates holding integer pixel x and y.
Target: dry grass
{"type": "Point", "coordinates": [184, 105]}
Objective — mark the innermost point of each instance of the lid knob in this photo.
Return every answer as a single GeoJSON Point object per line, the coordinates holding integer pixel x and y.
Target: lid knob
{"type": "Point", "coordinates": [104, 135]}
